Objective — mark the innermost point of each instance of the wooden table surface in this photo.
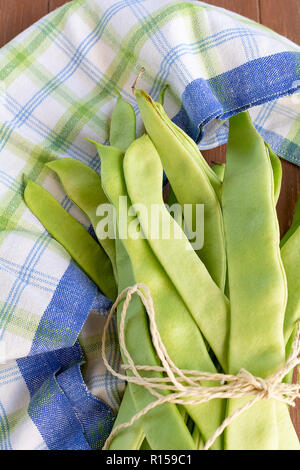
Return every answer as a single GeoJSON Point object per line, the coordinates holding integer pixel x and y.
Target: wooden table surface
{"type": "Point", "coordinates": [282, 16]}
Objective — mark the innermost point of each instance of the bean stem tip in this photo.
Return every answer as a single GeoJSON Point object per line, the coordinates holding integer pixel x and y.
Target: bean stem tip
{"type": "Point", "coordinates": [143, 70]}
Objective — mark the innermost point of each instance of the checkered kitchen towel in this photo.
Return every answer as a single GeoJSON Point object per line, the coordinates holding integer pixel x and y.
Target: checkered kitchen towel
{"type": "Point", "coordinates": [57, 86]}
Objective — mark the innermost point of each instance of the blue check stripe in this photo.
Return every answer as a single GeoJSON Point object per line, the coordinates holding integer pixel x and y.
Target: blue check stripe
{"type": "Point", "coordinates": [99, 380]}
{"type": "Point", "coordinates": [195, 48]}
{"type": "Point", "coordinates": [37, 279]}
{"type": "Point", "coordinates": [71, 150]}
{"type": "Point", "coordinates": [158, 39]}
{"type": "Point", "coordinates": [250, 45]}
{"type": "Point", "coordinates": [247, 48]}
{"type": "Point", "coordinates": [8, 369]}
{"type": "Point", "coordinates": [68, 71]}
{"type": "Point", "coordinates": [264, 113]}
{"type": "Point", "coordinates": [9, 375]}
{"type": "Point", "coordinates": [286, 112]}
{"type": "Point", "coordinates": [11, 183]}
{"type": "Point", "coordinates": [87, 67]}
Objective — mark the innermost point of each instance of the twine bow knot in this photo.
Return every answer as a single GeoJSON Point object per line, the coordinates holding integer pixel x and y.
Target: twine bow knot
{"type": "Point", "coordinates": [260, 385]}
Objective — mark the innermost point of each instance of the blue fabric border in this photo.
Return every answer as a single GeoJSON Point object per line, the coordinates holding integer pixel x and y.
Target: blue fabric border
{"type": "Point", "coordinates": [66, 414]}
{"type": "Point", "coordinates": [94, 415]}
{"type": "Point", "coordinates": [253, 83]}
{"type": "Point", "coordinates": [65, 315]}
{"type": "Point", "coordinates": [289, 150]}
{"type": "Point", "coordinates": [52, 413]}
{"type": "Point", "coordinates": [38, 368]}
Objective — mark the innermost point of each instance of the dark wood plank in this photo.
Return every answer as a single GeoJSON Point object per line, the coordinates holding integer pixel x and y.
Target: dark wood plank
{"type": "Point", "coordinates": [249, 8]}
{"type": "Point", "coordinates": [282, 16]}
{"type": "Point", "coordinates": [295, 412]}
{"type": "Point", "coordinates": [56, 3]}
{"type": "Point", "coordinates": [17, 15]}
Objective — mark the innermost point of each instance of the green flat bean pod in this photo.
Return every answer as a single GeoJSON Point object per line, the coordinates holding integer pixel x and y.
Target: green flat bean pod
{"type": "Point", "coordinates": [173, 319]}
{"type": "Point", "coordinates": [72, 236]}
{"type": "Point", "coordinates": [140, 347]}
{"type": "Point", "coordinates": [123, 125]}
{"type": "Point", "coordinates": [83, 186]}
{"type": "Point", "coordinates": [277, 171]}
{"type": "Point", "coordinates": [294, 226]}
{"type": "Point", "coordinates": [190, 183]}
{"type": "Point", "coordinates": [133, 437]}
{"type": "Point", "coordinates": [219, 169]}
{"type": "Point", "coordinates": [205, 300]}
{"type": "Point", "coordinates": [147, 174]}
{"type": "Point", "coordinates": [290, 253]}
{"type": "Point", "coordinates": [257, 282]}
{"type": "Point", "coordinates": [160, 422]}
{"type": "Point", "coordinates": [188, 143]}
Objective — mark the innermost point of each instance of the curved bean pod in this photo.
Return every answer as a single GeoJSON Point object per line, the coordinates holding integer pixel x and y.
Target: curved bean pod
{"type": "Point", "coordinates": [83, 186]}
{"type": "Point", "coordinates": [287, 437]}
{"type": "Point", "coordinates": [190, 145]}
{"type": "Point", "coordinates": [189, 182]}
{"type": "Point", "coordinates": [139, 344]}
{"type": "Point", "coordinates": [72, 236]}
{"type": "Point", "coordinates": [161, 97]}
{"type": "Point", "coordinates": [219, 169]}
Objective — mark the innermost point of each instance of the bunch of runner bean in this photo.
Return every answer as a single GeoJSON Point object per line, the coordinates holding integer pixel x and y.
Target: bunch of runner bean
{"type": "Point", "coordinates": [232, 304]}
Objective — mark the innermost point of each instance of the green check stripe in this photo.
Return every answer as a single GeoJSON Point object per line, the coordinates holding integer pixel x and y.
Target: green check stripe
{"type": "Point", "coordinates": [23, 55]}
{"type": "Point", "coordinates": [23, 323]}
{"type": "Point", "coordinates": [81, 111]}
{"type": "Point", "coordinates": [17, 419]}
{"type": "Point", "coordinates": [120, 69]}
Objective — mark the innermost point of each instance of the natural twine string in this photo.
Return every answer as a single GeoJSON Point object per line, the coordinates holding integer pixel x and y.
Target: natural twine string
{"type": "Point", "coordinates": [173, 385]}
